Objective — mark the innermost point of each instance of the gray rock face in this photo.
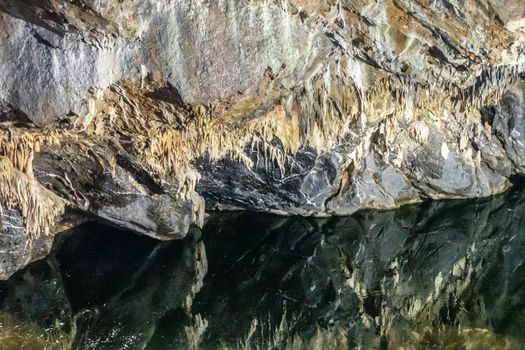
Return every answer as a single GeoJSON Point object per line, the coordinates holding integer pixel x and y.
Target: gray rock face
{"type": "Point", "coordinates": [145, 111]}
{"type": "Point", "coordinates": [509, 124]}
{"type": "Point", "coordinates": [193, 45]}
{"type": "Point", "coordinates": [119, 196]}
{"type": "Point", "coordinates": [17, 249]}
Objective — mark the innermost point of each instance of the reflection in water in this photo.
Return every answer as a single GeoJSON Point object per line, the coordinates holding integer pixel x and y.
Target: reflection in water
{"type": "Point", "coordinates": [441, 275]}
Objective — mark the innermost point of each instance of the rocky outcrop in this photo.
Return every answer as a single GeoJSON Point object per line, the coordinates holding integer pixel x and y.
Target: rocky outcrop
{"type": "Point", "coordinates": [17, 248]}
{"type": "Point", "coordinates": [143, 113]}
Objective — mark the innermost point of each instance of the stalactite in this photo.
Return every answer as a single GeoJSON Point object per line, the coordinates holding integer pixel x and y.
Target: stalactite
{"type": "Point", "coordinates": [39, 207]}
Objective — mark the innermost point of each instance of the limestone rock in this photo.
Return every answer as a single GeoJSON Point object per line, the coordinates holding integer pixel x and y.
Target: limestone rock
{"type": "Point", "coordinates": [15, 250]}
{"type": "Point", "coordinates": [142, 113]}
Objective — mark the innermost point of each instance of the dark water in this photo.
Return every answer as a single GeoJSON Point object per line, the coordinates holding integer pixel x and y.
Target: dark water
{"type": "Point", "coordinates": [441, 275]}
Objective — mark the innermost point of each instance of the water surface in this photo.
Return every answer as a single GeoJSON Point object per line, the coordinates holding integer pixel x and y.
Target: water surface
{"type": "Point", "coordinates": [440, 275]}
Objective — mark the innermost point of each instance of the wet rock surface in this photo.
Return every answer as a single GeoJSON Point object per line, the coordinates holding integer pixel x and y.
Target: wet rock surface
{"type": "Point", "coordinates": [17, 249]}
{"type": "Point", "coordinates": [426, 276]}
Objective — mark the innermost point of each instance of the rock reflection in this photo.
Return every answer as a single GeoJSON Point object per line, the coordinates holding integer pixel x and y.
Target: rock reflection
{"type": "Point", "coordinates": [441, 275]}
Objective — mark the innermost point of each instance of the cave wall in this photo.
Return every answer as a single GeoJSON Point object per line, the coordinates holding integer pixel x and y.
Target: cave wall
{"type": "Point", "coordinates": [143, 114]}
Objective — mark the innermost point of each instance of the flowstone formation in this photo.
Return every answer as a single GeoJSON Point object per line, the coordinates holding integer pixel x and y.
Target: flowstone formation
{"type": "Point", "coordinates": [143, 114]}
